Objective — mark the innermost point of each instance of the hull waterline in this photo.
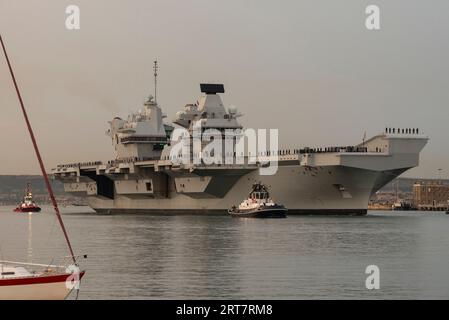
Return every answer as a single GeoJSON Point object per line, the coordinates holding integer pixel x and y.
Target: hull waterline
{"type": "Point", "coordinates": [27, 210]}
{"type": "Point", "coordinates": [263, 213]}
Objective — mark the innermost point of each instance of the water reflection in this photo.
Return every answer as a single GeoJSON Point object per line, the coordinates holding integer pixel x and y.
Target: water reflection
{"type": "Point", "coordinates": [157, 257]}
{"type": "Point", "coordinates": [30, 238]}
{"type": "Point", "coordinates": [188, 251]}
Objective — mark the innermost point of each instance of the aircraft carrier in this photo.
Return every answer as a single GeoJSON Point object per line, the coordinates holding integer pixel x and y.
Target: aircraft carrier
{"type": "Point", "coordinates": [145, 178]}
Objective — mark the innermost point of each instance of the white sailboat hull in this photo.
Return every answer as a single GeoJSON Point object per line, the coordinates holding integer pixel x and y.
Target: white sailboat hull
{"type": "Point", "coordinates": [51, 287]}
{"type": "Point", "coordinates": [46, 291]}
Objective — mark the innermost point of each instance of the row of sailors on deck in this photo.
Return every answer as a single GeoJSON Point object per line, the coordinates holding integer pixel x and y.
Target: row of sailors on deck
{"type": "Point", "coordinates": [79, 164]}
{"type": "Point", "coordinates": [110, 162]}
{"type": "Point", "coordinates": [131, 159]}
{"type": "Point", "coordinates": [230, 154]}
{"type": "Point", "coordinates": [262, 153]}
{"type": "Point", "coordinates": [406, 130]}
{"type": "Point", "coordinates": [280, 152]}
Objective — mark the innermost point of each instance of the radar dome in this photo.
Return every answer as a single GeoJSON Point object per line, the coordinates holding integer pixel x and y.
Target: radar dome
{"type": "Point", "coordinates": [232, 109]}
{"type": "Point", "coordinates": [179, 114]}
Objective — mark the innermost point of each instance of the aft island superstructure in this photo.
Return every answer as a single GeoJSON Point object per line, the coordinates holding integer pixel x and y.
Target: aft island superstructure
{"type": "Point", "coordinates": [146, 176]}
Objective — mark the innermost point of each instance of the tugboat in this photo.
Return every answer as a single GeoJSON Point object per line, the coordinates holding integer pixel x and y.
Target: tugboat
{"type": "Point", "coordinates": [258, 205]}
{"type": "Point", "coordinates": [27, 204]}
{"type": "Point", "coordinates": [402, 205]}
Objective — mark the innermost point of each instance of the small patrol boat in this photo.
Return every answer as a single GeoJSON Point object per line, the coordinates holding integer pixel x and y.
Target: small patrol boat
{"type": "Point", "coordinates": [28, 204]}
{"type": "Point", "coordinates": [258, 205]}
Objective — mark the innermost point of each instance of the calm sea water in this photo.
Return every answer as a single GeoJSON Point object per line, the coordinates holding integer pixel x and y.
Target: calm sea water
{"type": "Point", "coordinates": [193, 257]}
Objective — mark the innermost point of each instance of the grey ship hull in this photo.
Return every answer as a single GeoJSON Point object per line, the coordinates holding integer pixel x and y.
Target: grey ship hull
{"type": "Point", "coordinates": [301, 191]}
{"type": "Point", "coordinates": [337, 183]}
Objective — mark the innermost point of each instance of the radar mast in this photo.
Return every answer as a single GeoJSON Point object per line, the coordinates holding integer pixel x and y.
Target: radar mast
{"type": "Point", "coordinates": [155, 67]}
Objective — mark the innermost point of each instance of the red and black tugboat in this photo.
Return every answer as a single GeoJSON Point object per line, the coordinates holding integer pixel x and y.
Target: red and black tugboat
{"type": "Point", "coordinates": [28, 204]}
{"type": "Point", "coordinates": [259, 205]}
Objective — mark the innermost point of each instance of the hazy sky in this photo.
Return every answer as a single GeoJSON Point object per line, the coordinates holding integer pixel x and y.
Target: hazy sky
{"type": "Point", "coordinates": [310, 68]}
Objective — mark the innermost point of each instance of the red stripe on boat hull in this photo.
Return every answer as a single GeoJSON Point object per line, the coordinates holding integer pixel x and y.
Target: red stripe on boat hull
{"type": "Point", "coordinates": [38, 279]}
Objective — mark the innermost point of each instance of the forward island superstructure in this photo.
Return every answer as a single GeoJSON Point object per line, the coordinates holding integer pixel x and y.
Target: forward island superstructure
{"type": "Point", "coordinates": [146, 176]}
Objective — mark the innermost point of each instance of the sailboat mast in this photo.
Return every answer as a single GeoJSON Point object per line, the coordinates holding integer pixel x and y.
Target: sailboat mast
{"type": "Point", "coordinates": [38, 155]}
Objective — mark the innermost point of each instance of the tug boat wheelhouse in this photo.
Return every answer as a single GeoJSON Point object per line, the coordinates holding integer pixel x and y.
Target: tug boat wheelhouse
{"type": "Point", "coordinates": [259, 205]}
{"type": "Point", "coordinates": [28, 204]}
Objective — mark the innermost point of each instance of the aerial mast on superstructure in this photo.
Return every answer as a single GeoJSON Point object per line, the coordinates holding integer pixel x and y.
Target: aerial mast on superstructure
{"type": "Point", "coordinates": [155, 67]}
